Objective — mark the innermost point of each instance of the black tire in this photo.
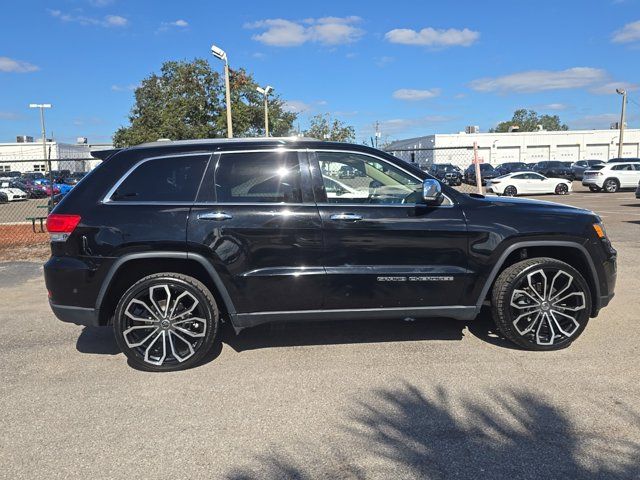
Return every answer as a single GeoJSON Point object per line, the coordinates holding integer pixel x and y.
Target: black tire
{"type": "Point", "coordinates": [173, 326]}
{"type": "Point", "coordinates": [611, 185]}
{"type": "Point", "coordinates": [510, 191]}
{"type": "Point", "coordinates": [593, 188]}
{"type": "Point", "coordinates": [562, 189]}
{"type": "Point", "coordinates": [535, 328]}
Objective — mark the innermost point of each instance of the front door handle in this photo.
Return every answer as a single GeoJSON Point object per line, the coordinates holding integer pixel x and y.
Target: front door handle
{"type": "Point", "coordinates": [214, 216]}
{"type": "Point", "coordinates": [350, 217]}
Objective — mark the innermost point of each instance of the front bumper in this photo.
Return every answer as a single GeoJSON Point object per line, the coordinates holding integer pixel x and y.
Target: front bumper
{"type": "Point", "coordinates": [77, 315]}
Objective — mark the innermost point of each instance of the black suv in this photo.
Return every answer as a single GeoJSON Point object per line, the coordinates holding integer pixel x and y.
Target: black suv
{"type": "Point", "coordinates": [487, 172]}
{"type": "Point", "coordinates": [164, 241]}
{"type": "Point", "coordinates": [510, 167]}
{"type": "Point", "coordinates": [554, 169]}
{"type": "Point", "coordinates": [446, 172]}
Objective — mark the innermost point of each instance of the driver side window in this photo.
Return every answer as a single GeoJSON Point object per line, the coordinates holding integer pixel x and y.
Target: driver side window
{"type": "Point", "coordinates": [354, 178]}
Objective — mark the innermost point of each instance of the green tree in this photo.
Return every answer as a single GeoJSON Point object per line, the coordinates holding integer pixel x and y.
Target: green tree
{"type": "Point", "coordinates": [186, 101]}
{"type": "Point", "coordinates": [528, 121]}
{"type": "Point", "coordinates": [323, 127]}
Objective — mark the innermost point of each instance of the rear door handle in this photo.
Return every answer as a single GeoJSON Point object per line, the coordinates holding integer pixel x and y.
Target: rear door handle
{"type": "Point", "coordinates": [352, 217]}
{"type": "Point", "coordinates": [214, 216]}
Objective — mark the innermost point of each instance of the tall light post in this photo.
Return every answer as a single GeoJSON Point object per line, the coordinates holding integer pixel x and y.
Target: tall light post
{"type": "Point", "coordinates": [622, 92]}
{"type": "Point", "coordinates": [46, 157]}
{"type": "Point", "coordinates": [265, 91]}
{"type": "Point", "coordinates": [222, 55]}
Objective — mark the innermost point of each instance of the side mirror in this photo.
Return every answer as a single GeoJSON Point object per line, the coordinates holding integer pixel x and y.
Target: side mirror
{"type": "Point", "coordinates": [432, 192]}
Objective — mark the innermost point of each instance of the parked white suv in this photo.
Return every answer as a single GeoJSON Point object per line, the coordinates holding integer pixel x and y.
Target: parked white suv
{"type": "Point", "coordinates": [611, 177]}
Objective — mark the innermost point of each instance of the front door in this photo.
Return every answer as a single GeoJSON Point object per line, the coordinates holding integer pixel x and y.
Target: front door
{"type": "Point", "coordinates": [255, 220]}
{"type": "Point", "coordinates": [381, 250]}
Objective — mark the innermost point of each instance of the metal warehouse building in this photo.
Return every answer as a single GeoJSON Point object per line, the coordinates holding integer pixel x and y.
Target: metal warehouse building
{"type": "Point", "coordinates": [496, 148]}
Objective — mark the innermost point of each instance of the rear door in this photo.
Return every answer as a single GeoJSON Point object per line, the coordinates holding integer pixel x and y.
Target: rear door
{"type": "Point", "coordinates": [626, 175]}
{"type": "Point", "coordinates": [256, 222]}
{"type": "Point", "coordinates": [381, 250]}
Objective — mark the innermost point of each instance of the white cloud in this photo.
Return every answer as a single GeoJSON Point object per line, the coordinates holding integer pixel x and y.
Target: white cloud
{"type": "Point", "coordinates": [603, 120]}
{"type": "Point", "coordinates": [553, 106]}
{"type": "Point", "coordinates": [106, 21]}
{"type": "Point", "coordinates": [541, 80]}
{"type": "Point", "coordinates": [101, 3]}
{"type": "Point", "coordinates": [11, 65]}
{"type": "Point", "coordinates": [609, 88]}
{"type": "Point", "coordinates": [279, 32]}
{"type": "Point", "coordinates": [415, 95]}
{"type": "Point", "coordinates": [431, 37]}
{"type": "Point", "coordinates": [178, 24]}
{"type": "Point", "coordinates": [10, 116]}
{"type": "Point", "coordinates": [627, 34]}
{"type": "Point", "coordinates": [399, 125]}
{"type": "Point", "coordinates": [296, 106]}
{"type": "Point", "coordinates": [384, 61]}
{"type": "Point", "coordinates": [115, 21]}
{"type": "Point", "coordinates": [124, 88]}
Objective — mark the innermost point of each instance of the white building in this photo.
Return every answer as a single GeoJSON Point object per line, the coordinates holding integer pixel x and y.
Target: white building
{"type": "Point", "coordinates": [496, 148]}
{"type": "Point", "coordinates": [28, 156]}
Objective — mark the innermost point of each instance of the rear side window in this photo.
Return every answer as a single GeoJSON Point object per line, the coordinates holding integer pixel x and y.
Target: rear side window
{"type": "Point", "coordinates": [258, 177]}
{"type": "Point", "coordinates": [167, 179]}
{"type": "Point", "coordinates": [622, 167]}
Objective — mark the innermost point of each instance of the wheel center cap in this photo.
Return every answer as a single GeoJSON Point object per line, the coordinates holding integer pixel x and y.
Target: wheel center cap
{"type": "Point", "coordinates": [545, 306]}
{"type": "Point", "coordinates": [165, 323]}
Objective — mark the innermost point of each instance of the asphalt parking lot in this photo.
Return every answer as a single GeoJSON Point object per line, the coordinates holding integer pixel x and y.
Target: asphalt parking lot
{"type": "Point", "coordinates": [381, 399]}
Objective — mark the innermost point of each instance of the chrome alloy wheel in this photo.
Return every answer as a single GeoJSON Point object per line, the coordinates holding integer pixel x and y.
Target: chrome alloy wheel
{"type": "Point", "coordinates": [164, 324]}
{"type": "Point", "coordinates": [545, 306]}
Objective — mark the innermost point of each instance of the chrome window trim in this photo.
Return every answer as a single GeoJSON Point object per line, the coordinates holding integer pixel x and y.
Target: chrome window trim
{"type": "Point", "coordinates": [107, 198]}
{"type": "Point", "coordinates": [315, 150]}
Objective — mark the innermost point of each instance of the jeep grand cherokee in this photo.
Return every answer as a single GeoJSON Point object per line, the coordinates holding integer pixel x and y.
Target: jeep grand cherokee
{"type": "Point", "coordinates": [164, 241]}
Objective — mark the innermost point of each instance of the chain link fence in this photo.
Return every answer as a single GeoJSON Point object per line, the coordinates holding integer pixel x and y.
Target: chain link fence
{"type": "Point", "coordinates": [28, 190]}
{"type": "Point", "coordinates": [449, 164]}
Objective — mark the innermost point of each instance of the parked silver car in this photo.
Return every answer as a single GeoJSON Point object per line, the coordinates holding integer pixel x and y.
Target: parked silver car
{"type": "Point", "coordinates": [580, 166]}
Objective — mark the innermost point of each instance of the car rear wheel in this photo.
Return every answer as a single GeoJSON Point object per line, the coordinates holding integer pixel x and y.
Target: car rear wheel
{"type": "Point", "coordinates": [611, 185]}
{"type": "Point", "coordinates": [541, 304]}
{"type": "Point", "coordinates": [562, 189]}
{"type": "Point", "coordinates": [165, 322]}
{"type": "Point", "coordinates": [510, 191]}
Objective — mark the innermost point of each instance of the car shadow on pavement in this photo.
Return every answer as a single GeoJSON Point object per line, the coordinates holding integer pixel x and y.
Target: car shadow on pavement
{"type": "Point", "coordinates": [101, 340]}
{"type": "Point", "coordinates": [362, 331]}
{"type": "Point", "coordinates": [409, 432]}
{"type": "Point", "coordinates": [97, 340]}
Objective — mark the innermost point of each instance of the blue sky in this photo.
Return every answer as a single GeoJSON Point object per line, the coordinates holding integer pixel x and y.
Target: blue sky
{"type": "Point", "coordinates": [416, 67]}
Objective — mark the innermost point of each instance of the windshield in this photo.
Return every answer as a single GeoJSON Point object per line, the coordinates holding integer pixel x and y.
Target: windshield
{"type": "Point", "coordinates": [597, 167]}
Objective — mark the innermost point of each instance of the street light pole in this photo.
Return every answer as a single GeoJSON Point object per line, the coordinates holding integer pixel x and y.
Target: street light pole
{"type": "Point", "coordinates": [222, 55]}
{"type": "Point", "coordinates": [227, 87]}
{"type": "Point", "coordinates": [45, 157]}
{"type": "Point", "coordinates": [265, 91]}
{"type": "Point", "coordinates": [622, 119]}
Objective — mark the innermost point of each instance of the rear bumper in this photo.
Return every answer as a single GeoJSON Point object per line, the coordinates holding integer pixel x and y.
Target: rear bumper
{"type": "Point", "coordinates": [592, 182]}
{"type": "Point", "coordinates": [77, 315]}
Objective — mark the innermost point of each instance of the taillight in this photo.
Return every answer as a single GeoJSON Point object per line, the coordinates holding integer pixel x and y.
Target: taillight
{"type": "Point", "coordinates": [60, 226]}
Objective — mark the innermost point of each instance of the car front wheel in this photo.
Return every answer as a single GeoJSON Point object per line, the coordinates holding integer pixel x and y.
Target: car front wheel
{"type": "Point", "coordinates": [541, 304]}
{"type": "Point", "coordinates": [166, 321]}
{"type": "Point", "coordinates": [593, 188]}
